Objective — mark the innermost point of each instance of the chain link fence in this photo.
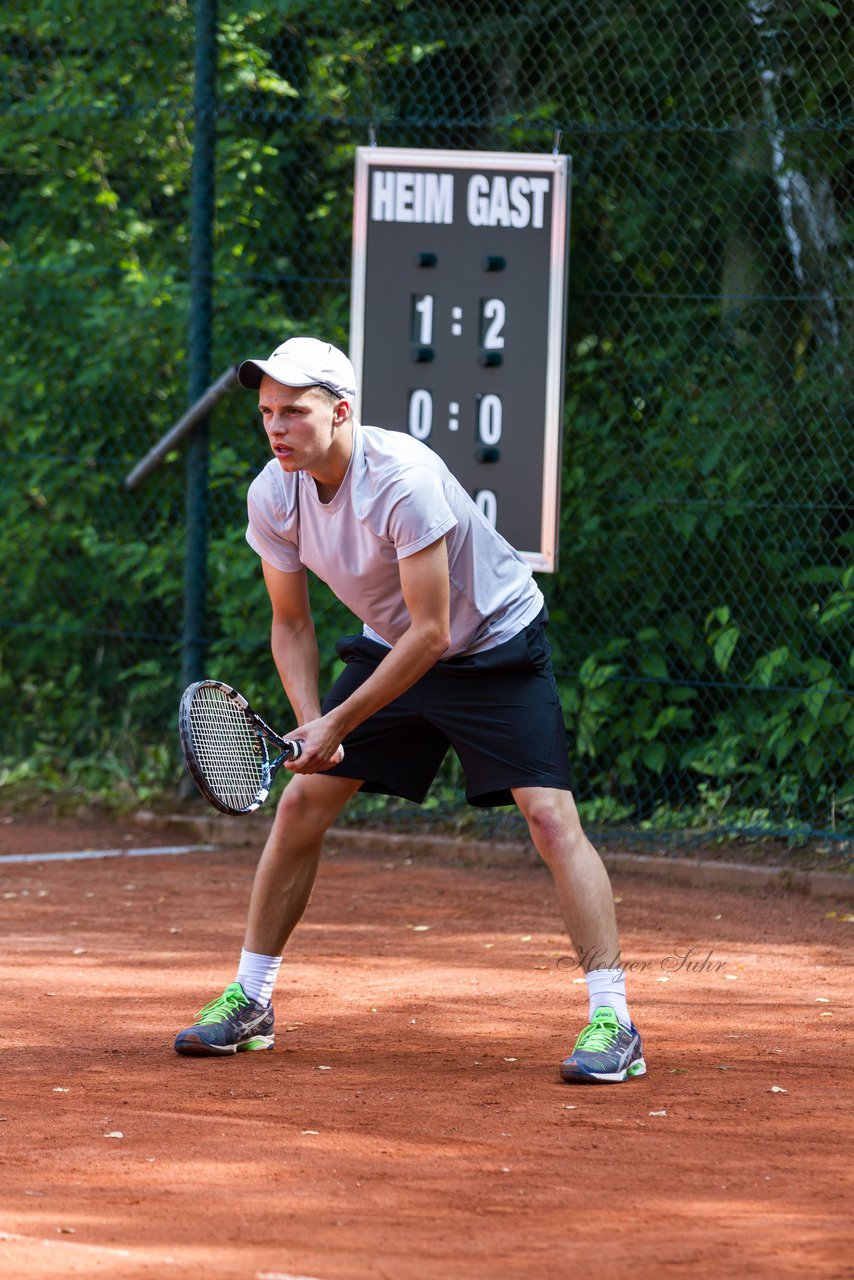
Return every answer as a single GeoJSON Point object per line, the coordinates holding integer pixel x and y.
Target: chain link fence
{"type": "Point", "coordinates": [703, 617]}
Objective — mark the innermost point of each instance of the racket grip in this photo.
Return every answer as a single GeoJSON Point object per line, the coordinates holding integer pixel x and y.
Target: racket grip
{"type": "Point", "coordinates": [295, 748]}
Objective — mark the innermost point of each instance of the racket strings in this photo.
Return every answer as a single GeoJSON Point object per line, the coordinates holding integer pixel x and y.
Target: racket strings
{"type": "Point", "coordinates": [228, 749]}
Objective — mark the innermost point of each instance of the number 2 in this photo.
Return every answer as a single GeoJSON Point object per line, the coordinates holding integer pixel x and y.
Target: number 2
{"type": "Point", "coordinates": [493, 315]}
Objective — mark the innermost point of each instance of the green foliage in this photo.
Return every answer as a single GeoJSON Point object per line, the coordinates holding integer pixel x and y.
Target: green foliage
{"type": "Point", "coordinates": [703, 619]}
{"type": "Point", "coordinates": [730, 664]}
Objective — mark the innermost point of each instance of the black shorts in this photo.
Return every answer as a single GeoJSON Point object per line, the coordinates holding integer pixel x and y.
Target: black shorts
{"type": "Point", "coordinates": [499, 710]}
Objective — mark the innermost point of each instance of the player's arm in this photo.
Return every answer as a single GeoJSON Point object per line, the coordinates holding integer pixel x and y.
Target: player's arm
{"type": "Point", "coordinates": [425, 583]}
{"type": "Point", "coordinates": [293, 640]}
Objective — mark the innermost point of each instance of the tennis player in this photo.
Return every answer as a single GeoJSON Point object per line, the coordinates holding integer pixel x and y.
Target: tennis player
{"type": "Point", "coordinates": [453, 653]}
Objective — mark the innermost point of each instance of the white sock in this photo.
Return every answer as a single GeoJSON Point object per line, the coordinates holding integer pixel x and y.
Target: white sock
{"type": "Point", "coordinates": [608, 987]}
{"type": "Point", "coordinates": [257, 975]}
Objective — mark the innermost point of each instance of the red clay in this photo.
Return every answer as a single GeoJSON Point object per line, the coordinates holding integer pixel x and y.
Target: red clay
{"type": "Point", "coordinates": [410, 1122]}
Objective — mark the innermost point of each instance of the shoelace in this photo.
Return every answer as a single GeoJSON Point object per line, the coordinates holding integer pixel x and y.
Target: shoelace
{"type": "Point", "coordinates": [598, 1035]}
{"type": "Point", "coordinates": [229, 1002]}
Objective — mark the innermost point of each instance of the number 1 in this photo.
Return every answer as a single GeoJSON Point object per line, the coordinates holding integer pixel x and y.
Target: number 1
{"type": "Point", "coordinates": [422, 320]}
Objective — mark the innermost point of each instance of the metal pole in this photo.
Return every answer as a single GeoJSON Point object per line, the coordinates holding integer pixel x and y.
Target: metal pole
{"type": "Point", "coordinates": [198, 411]}
{"type": "Point", "coordinates": [200, 330]}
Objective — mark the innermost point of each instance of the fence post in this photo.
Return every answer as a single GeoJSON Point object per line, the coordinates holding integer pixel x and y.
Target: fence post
{"type": "Point", "coordinates": [199, 339]}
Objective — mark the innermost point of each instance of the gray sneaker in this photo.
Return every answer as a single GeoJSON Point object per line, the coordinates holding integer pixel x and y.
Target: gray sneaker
{"type": "Point", "coordinates": [606, 1052]}
{"type": "Point", "coordinates": [230, 1024]}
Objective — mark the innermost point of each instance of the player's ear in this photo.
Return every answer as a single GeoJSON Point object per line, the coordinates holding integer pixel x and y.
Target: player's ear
{"type": "Point", "coordinates": [342, 412]}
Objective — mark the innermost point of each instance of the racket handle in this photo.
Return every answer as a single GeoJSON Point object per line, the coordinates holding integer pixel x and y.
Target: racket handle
{"type": "Point", "coordinates": [295, 748]}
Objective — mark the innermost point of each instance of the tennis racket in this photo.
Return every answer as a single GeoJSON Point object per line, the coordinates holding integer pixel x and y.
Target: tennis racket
{"type": "Point", "coordinates": [227, 747]}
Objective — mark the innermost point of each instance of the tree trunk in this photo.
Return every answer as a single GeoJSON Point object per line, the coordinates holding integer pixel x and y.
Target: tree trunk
{"type": "Point", "coordinates": [810, 219]}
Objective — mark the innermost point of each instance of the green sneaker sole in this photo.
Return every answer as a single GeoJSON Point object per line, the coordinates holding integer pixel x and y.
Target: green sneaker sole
{"type": "Point", "coordinates": [198, 1049]}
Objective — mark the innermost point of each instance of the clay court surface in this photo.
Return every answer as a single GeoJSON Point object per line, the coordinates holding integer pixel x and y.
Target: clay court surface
{"type": "Point", "coordinates": [410, 1121]}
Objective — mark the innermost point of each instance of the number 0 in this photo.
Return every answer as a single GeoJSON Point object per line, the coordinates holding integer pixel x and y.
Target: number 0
{"type": "Point", "coordinates": [489, 419]}
{"type": "Point", "coordinates": [486, 501]}
{"type": "Point", "coordinates": [420, 414]}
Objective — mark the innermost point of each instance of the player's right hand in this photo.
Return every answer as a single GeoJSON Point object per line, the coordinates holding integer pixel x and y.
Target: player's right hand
{"type": "Point", "coordinates": [321, 748]}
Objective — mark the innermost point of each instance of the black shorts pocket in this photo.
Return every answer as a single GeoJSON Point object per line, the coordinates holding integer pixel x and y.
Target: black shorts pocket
{"type": "Point", "coordinates": [539, 649]}
{"type": "Point", "coordinates": [360, 649]}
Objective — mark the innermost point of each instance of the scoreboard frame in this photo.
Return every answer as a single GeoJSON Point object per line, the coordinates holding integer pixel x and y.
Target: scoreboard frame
{"type": "Point", "coordinates": [434, 233]}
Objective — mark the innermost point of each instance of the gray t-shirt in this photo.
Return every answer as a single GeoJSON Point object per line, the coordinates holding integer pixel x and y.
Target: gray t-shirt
{"type": "Point", "coordinates": [396, 498]}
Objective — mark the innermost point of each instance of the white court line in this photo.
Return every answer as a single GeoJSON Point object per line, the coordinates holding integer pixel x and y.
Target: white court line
{"type": "Point", "coordinates": [13, 1238]}
{"type": "Point", "coordinates": [85, 854]}
{"type": "Point", "coordinates": [281, 1275]}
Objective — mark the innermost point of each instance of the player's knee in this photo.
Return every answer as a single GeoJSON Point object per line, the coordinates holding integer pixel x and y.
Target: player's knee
{"type": "Point", "coordinates": [553, 823]}
{"type": "Point", "coordinates": [304, 809]}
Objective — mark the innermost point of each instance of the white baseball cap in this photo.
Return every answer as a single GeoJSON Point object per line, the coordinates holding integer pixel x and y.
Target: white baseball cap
{"type": "Point", "coordinates": [303, 362]}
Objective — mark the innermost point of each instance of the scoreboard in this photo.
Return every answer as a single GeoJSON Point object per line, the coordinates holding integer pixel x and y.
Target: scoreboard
{"type": "Point", "coordinates": [458, 321]}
